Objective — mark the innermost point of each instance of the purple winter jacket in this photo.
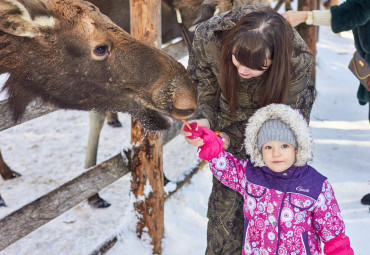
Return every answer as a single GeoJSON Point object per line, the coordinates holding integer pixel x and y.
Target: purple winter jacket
{"type": "Point", "coordinates": [289, 212]}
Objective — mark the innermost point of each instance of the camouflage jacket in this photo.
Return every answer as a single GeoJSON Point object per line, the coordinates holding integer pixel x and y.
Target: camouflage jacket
{"type": "Point", "coordinates": [203, 67]}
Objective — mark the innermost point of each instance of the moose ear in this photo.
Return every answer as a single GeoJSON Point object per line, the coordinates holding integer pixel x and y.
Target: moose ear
{"type": "Point", "coordinates": [18, 18]}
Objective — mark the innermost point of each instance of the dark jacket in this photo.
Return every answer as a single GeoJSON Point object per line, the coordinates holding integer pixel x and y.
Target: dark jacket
{"type": "Point", "coordinates": [203, 67]}
{"type": "Point", "coordinates": [354, 15]}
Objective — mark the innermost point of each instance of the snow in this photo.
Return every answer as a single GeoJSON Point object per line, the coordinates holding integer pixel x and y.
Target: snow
{"type": "Point", "coordinates": [3, 78]}
{"type": "Point", "coordinates": [50, 150]}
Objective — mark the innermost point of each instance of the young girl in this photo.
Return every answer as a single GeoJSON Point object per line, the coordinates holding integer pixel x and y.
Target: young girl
{"type": "Point", "coordinates": [289, 207]}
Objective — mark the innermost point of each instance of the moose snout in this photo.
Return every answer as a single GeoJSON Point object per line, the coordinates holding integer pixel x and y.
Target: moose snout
{"type": "Point", "coordinates": [184, 102]}
{"type": "Point", "coordinates": [174, 92]}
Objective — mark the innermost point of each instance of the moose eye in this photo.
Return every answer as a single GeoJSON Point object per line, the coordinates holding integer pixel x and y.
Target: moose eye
{"type": "Point", "coordinates": [101, 50]}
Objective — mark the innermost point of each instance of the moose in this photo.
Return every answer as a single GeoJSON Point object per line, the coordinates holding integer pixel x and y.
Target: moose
{"type": "Point", "coordinates": [192, 12]}
{"type": "Point", "coordinates": [72, 56]}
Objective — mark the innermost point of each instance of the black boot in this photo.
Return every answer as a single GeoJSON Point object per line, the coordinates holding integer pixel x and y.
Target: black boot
{"type": "Point", "coordinates": [366, 199]}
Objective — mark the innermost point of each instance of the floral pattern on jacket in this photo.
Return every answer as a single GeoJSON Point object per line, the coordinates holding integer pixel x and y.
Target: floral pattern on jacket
{"type": "Point", "coordinates": [285, 213]}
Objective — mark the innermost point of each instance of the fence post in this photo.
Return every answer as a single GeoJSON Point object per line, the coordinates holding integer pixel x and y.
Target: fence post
{"type": "Point", "coordinates": [147, 166]}
{"type": "Point", "coordinates": [309, 33]}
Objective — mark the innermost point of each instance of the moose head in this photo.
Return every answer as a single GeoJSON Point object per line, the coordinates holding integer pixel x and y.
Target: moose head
{"type": "Point", "coordinates": [71, 55]}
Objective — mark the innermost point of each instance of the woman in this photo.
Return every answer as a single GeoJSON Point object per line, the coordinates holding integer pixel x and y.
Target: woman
{"type": "Point", "coordinates": [243, 60]}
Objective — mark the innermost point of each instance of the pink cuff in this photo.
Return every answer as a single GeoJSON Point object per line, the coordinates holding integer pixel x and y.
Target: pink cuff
{"type": "Point", "coordinates": [339, 245]}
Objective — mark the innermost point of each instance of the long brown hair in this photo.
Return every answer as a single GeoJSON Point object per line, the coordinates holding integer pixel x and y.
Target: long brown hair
{"type": "Point", "coordinates": [258, 36]}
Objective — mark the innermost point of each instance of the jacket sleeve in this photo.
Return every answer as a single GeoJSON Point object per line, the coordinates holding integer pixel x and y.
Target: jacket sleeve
{"type": "Point", "coordinates": [206, 81]}
{"type": "Point", "coordinates": [236, 132]}
{"type": "Point", "coordinates": [230, 171]}
{"type": "Point", "coordinates": [349, 15]}
{"type": "Point", "coordinates": [327, 219]}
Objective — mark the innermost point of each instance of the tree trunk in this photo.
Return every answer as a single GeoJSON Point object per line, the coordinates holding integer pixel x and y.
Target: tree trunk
{"type": "Point", "coordinates": [309, 32]}
{"type": "Point", "coordinates": [147, 165]}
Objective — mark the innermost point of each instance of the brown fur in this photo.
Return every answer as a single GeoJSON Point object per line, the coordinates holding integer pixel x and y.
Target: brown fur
{"type": "Point", "coordinates": [57, 63]}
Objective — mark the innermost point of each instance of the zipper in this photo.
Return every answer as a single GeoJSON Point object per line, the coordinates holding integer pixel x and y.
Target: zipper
{"type": "Point", "coordinates": [281, 208]}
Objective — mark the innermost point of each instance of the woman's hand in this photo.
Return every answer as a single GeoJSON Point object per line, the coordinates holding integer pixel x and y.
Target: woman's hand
{"type": "Point", "coordinates": [226, 139]}
{"type": "Point", "coordinates": [197, 141]}
{"type": "Point", "coordinates": [295, 17]}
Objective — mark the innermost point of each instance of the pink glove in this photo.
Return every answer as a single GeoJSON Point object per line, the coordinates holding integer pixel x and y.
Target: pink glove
{"type": "Point", "coordinates": [213, 144]}
{"type": "Point", "coordinates": [339, 245]}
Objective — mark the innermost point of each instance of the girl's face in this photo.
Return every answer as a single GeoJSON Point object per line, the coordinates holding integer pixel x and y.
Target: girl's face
{"type": "Point", "coordinates": [278, 156]}
{"type": "Point", "coordinates": [246, 72]}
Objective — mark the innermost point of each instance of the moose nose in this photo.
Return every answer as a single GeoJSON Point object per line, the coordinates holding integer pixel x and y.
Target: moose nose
{"type": "Point", "coordinates": [185, 102]}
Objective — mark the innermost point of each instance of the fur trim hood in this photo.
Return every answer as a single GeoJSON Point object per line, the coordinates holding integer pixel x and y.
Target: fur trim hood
{"type": "Point", "coordinates": [296, 122]}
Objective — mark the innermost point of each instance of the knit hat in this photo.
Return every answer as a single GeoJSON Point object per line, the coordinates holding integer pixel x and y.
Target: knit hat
{"type": "Point", "coordinates": [275, 130]}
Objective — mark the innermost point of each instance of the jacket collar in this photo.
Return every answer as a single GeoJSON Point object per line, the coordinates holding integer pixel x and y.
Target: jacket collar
{"type": "Point", "coordinates": [292, 172]}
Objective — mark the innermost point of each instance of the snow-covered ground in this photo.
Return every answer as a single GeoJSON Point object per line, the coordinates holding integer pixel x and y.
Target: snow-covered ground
{"type": "Point", "coordinates": [50, 150]}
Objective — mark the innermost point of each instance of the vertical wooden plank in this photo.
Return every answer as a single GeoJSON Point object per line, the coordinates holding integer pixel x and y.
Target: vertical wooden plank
{"type": "Point", "coordinates": [147, 164]}
{"type": "Point", "coordinates": [145, 21]}
{"type": "Point", "coordinates": [309, 33]}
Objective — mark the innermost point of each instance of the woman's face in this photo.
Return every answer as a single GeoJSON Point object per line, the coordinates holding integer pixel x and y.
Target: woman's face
{"type": "Point", "coordinates": [247, 73]}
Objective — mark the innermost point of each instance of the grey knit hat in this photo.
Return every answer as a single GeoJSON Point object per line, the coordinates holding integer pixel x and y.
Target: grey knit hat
{"type": "Point", "coordinates": [275, 130]}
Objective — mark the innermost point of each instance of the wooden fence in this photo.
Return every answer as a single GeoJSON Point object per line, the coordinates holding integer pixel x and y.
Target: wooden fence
{"type": "Point", "coordinates": [44, 209]}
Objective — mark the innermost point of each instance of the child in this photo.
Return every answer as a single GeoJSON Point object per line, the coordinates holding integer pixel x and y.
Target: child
{"type": "Point", "coordinates": [289, 207]}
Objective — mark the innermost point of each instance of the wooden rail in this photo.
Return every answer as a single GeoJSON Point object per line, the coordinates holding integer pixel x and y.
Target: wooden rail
{"type": "Point", "coordinates": [39, 212]}
{"type": "Point", "coordinates": [34, 110]}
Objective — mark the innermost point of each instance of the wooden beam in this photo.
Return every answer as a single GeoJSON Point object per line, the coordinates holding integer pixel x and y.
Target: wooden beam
{"type": "Point", "coordinates": [106, 246]}
{"type": "Point", "coordinates": [309, 32]}
{"type": "Point", "coordinates": [147, 166]}
{"type": "Point", "coordinates": [39, 212]}
{"type": "Point", "coordinates": [34, 109]}
{"type": "Point", "coordinates": [187, 178]}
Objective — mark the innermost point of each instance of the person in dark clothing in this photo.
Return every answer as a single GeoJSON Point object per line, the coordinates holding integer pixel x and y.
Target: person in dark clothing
{"type": "Point", "coordinates": [243, 60]}
{"type": "Point", "coordinates": [350, 15]}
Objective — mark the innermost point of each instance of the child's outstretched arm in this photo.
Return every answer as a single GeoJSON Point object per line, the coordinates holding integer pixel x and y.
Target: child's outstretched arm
{"type": "Point", "coordinates": [329, 224]}
{"type": "Point", "coordinates": [230, 171]}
